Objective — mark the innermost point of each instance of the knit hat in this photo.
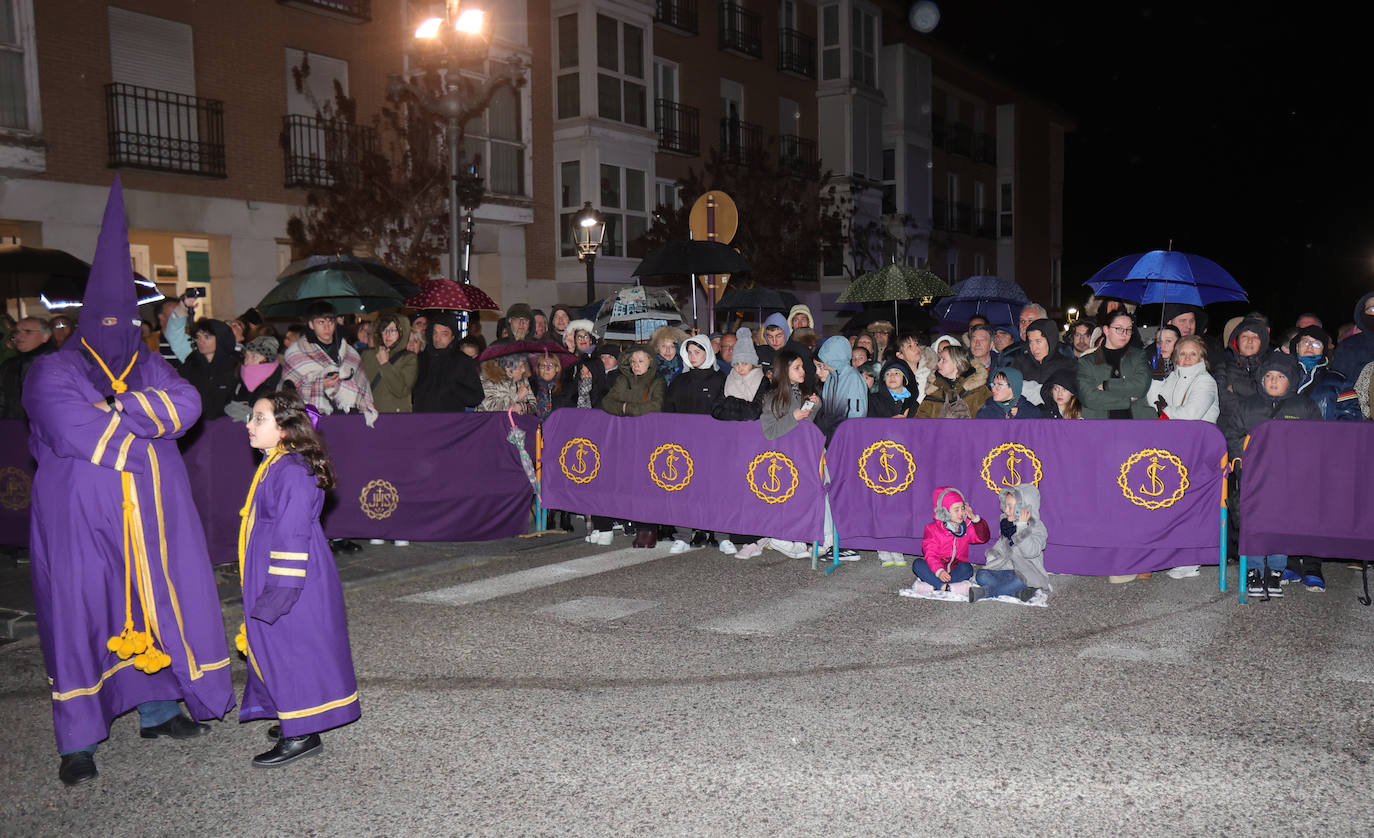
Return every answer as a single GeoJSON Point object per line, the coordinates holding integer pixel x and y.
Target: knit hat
{"type": "Point", "coordinates": [745, 353]}
{"type": "Point", "coordinates": [264, 345]}
{"type": "Point", "coordinates": [520, 310]}
{"type": "Point", "coordinates": [1014, 380]}
{"type": "Point", "coordinates": [1310, 331]}
{"type": "Point", "coordinates": [1066, 378]}
{"type": "Point", "coordinates": [943, 498]}
{"type": "Point", "coordinates": [607, 349]}
{"type": "Point", "coordinates": [1002, 327]}
{"type": "Point", "coordinates": [1284, 364]}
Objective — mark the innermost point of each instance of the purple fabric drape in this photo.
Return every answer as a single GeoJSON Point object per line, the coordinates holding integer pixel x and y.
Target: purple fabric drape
{"type": "Point", "coordinates": [686, 470]}
{"type": "Point", "coordinates": [1305, 490]}
{"type": "Point", "coordinates": [1112, 496]}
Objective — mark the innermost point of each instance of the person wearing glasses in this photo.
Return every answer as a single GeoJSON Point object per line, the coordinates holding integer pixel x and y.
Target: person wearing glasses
{"type": "Point", "coordinates": [1332, 392]}
{"type": "Point", "coordinates": [1113, 380]}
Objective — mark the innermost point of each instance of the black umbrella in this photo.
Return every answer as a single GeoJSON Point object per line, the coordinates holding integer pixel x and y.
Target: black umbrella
{"type": "Point", "coordinates": [757, 298]}
{"type": "Point", "coordinates": [692, 257]}
{"type": "Point", "coordinates": [24, 270]}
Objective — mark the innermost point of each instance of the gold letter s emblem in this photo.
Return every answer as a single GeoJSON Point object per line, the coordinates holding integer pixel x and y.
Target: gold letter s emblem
{"type": "Point", "coordinates": [1156, 485]}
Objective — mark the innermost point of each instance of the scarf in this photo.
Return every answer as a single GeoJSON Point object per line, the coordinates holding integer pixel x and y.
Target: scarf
{"type": "Point", "coordinates": [254, 375]}
{"type": "Point", "coordinates": [744, 386]}
{"type": "Point", "coordinates": [306, 364]}
{"type": "Point", "coordinates": [899, 395]}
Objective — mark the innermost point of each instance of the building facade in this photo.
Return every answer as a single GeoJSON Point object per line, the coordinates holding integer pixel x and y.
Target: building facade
{"type": "Point", "coordinates": [194, 105]}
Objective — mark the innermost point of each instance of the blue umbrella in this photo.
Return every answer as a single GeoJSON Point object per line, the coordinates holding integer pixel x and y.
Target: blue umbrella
{"type": "Point", "coordinates": [1167, 276]}
{"type": "Point", "coordinates": [999, 300]}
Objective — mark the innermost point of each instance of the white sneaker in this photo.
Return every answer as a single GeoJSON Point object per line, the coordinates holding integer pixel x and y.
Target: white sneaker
{"type": "Point", "coordinates": [890, 558]}
{"type": "Point", "coordinates": [401, 542]}
{"type": "Point", "coordinates": [728, 547]}
{"type": "Point", "coordinates": [1183, 572]}
{"type": "Point", "coordinates": [376, 541]}
{"type": "Point", "coordinates": [749, 551]}
{"type": "Point", "coordinates": [679, 546]}
{"type": "Point", "coordinates": [849, 555]}
{"type": "Point", "coordinates": [599, 537]}
{"type": "Point", "coordinates": [791, 549]}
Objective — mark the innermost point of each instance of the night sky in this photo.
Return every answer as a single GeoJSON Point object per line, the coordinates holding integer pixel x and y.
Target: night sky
{"type": "Point", "coordinates": [1241, 137]}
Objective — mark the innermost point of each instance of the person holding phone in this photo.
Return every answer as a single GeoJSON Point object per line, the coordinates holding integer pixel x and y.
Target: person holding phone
{"type": "Point", "coordinates": [326, 369]}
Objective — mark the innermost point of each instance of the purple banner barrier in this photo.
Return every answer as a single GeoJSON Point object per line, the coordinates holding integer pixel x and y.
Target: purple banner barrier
{"type": "Point", "coordinates": [1305, 490]}
{"type": "Point", "coordinates": [690, 471]}
{"type": "Point", "coordinates": [1118, 496]}
{"type": "Point", "coordinates": [16, 482]}
{"type": "Point", "coordinates": [423, 477]}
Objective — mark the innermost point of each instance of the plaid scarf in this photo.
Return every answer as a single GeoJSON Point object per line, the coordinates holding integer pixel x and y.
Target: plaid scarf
{"type": "Point", "coordinates": [305, 365]}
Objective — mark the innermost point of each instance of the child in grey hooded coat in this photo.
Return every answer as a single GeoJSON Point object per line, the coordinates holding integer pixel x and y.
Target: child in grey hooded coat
{"type": "Point", "coordinates": [1015, 564]}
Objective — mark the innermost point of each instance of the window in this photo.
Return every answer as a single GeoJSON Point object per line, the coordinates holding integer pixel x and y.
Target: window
{"type": "Point", "coordinates": [830, 43]}
{"type": "Point", "coordinates": [494, 140]}
{"type": "Point", "coordinates": [623, 204]}
{"type": "Point", "coordinates": [863, 36]}
{"type": "Point", "coordinates": [621, 94]}
{"type": "Point", "coordinates": [570, 201]}
{"type": "Point", "coordinates": [1004, 210]}
{"type": "Point", "coordinates": [889, 181]}
{"type": "Point", "coordinates": [666, 195]}
{"type": "Point", "coordinates": [508, 21]}
{"type": "Point", "coordinates": [569, 85]}
{"type": "Point", "coordinates": [18, 108]}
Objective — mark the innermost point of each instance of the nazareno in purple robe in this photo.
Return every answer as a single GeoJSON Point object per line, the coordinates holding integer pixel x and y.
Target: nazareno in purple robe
{"type": "Point", "coordinates": [77, 534]}
{"type": "Point", "coordinates": [300, 668]}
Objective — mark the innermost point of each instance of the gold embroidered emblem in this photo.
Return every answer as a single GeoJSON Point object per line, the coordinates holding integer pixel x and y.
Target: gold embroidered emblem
{"type": "Point", "coordinates": [579, 460]}
{"type": "Point", "coordinates": [15, 488]}
{"type": "Point", "coordinates": [889, 475]}
{"type": "Point", "coordinates": [1146, 486]}
{"type": "Point", "coordinates": [773, 487]}
{"type": "Point", "coordinates": [1009, 470]}
{"type": "Point", "coordinates": [671, 467]}
{"type": "Point", "coordinates": [379, 499]}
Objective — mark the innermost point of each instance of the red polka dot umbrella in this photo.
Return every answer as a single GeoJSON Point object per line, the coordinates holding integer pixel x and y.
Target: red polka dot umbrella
{"type": "Point", "coordinates": [445, 293]}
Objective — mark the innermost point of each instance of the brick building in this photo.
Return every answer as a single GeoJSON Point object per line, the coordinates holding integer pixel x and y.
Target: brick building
{"type": "Point", "coordinates": [189, 101]}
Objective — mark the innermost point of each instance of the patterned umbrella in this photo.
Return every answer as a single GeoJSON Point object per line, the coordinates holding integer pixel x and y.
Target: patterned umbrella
{"type": "Point", "coordinates": [634, 313]}
{"type": "Point", "coordinates": [999, 300]}
{"type": "Point", "coordinates": [447, 294]}
{"type": "Point", "coordinates": [895, 282]}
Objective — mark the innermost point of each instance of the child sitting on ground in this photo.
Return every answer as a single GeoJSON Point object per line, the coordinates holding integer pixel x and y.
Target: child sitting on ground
{"type": "Point", "coordinates": [945, 542]}
{"type": "Point", "coordinates": [1015, 565]}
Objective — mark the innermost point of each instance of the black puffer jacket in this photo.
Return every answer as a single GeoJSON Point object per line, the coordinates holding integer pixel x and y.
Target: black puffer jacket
{"type": "Point", "coordinates": [1238, 376]}
{"type": "Point", "coordinates": [215, 379]}
{"type": "Point", "coordinates": [1055, 361]}
{"type": "Point", "coordinates": [1261, 407]}
{"type": "Point", "coordinates": [881, 405]}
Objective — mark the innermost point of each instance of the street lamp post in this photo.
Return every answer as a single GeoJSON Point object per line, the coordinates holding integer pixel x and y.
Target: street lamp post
{"type": "Point", "coordinates": [589, 227]}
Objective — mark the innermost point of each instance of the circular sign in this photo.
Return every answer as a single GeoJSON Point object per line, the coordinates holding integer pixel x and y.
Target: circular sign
{"type": "Point", "coordinates": [891, 479]}
{"type": "Point", "coordinates": [574, 463]}
{"type": "Point", "coordinates": [379, 499]}
{"type": "Point", "coordinates": [1159, 484]}
{"type": "Point", "coordinates": [770, 486]}
{"type": "Point", "coordinates": [1010, 475]}
{"type": "Point", "coordinates": [671, 467]}
{"type": "Point", "coordinates": [714, 217]}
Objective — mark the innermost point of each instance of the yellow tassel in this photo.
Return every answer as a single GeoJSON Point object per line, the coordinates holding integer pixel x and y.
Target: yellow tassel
{"type": "Point", "coordinates": [114, 643]}
{"type": "Point", "coordinates": [241, 639]}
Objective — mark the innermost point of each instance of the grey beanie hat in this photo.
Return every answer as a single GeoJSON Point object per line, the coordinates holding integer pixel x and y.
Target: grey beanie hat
{"type": "Point", "coordinates": [264, 345]}
{"type": "Point", "coordinates": [744, 348]}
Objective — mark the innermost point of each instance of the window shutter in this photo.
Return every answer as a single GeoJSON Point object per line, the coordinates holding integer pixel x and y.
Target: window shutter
{"type": "Point", "coordinates": [151, 52]}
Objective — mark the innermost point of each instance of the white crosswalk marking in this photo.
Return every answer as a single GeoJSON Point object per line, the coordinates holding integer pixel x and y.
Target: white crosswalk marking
{"type": "Point", "coordinates": [598, 608]}
{"type": "Point", "coordinates": [780, 615]}
{"type": "Point", "coordinates": [536, 577]}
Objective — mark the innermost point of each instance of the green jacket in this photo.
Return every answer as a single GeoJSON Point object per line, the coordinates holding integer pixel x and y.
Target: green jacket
{"type": "Point", "coordinates": [1124, 393]}
{"type": "Point", "coordinates": [635, 395]}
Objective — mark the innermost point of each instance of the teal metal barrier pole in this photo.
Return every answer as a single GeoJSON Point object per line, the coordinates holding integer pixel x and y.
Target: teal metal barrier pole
{"type": "Point", "coordinates": [1221, 565]}
{"type": "Point", "coordinates": [1241, 584]}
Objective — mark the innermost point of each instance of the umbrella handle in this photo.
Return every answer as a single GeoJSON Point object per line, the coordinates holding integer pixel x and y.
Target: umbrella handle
{"type": "Point", "coordinates": [510, 415]}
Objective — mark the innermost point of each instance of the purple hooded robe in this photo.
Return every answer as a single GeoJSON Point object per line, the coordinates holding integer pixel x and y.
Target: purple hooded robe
{"type": "Point", "coordinates": [98, 573]}
{"type": "Point", "coordinates": [300, 668]}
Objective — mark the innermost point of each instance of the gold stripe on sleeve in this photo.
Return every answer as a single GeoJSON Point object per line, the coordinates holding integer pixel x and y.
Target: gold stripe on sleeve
{"type": "Point", "coordinates": [105, 437]}
{"type": "Point", "coordinates": [171, 409]}
{"type": "Point", "coordinates": [290, 557]}
{"type": "Point", "coordinates": [148, 410]}
{"type": "Point", "coordinates": [123, 452]}
{"type": "Point", "coordinates": [287, 571]}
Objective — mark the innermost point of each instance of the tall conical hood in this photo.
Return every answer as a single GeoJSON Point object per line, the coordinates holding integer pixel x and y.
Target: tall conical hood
{"type": "Point", "coordinates": [109, 311]}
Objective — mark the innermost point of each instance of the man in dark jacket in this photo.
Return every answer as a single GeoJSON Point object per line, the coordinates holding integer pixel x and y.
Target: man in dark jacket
{"type": "Point", "coordinates": [447, 381]}
{"type": "Point", "coordinates": [1357, 350]}
{"type": "Point", "coordinates": [1041, 359]}
{"type": "Point", "coordinates": [32, 338]}
{"type": "Point", "coordinates": [1237, 374]}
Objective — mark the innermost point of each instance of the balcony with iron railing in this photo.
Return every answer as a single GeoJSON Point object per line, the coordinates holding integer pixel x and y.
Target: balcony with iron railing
{"type": "Point", "coordinates": [351, 11]}
{"type": "Point", "coordinates": [741, 30]}
{"type": "Point", "coordinates": [164, 131]}
{"type": "Point", "coordinates": [960, 139]}
{"type": "Point", "coordinates": [678, 127]}
{"type": "Point", "coordinates": [677, 14]}
{"type": "Point", "coordinates": [985, 149]}
{"type": "Point", "coordinates": [796, 155]}
{"type": "Point", "coordinates": [320, 152]}
{"type": "Point", "coordinates": [796, 53]}
{"type": "Point", "coordinates": [739, 140]}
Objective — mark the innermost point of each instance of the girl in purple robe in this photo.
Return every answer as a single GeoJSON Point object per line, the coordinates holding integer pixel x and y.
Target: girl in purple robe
{"type": "Point", "coordinates": [295, 632]}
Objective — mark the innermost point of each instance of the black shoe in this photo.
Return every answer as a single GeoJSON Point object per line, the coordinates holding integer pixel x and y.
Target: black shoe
{"type": "Point", "coordinates": [344, 545]}
{"type": "Point", "coordinates": [1254, 583]}
{"type": "Point", "coordinates": [565, 521]}
{"type": "Point", "coordinates": [629, 528]}
{"type": "Point", "coordinates": [700, 538]}
{"type": "Point", "coordinates": [274, 732]}
{"type": "Point", "coordinates": [289, 749]}
{"type": "Point", "coordinates": [177, 727]}
{"type": "Point", "coordinates": [1027, 594]}
{"type": "Point", "coordinates": [1273, 580]}
{"type": "Point", "coordinates": [77, 768]}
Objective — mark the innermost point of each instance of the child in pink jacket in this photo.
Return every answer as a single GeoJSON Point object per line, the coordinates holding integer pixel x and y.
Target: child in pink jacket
{"type": "Point", "coordinates": [945, 544]}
